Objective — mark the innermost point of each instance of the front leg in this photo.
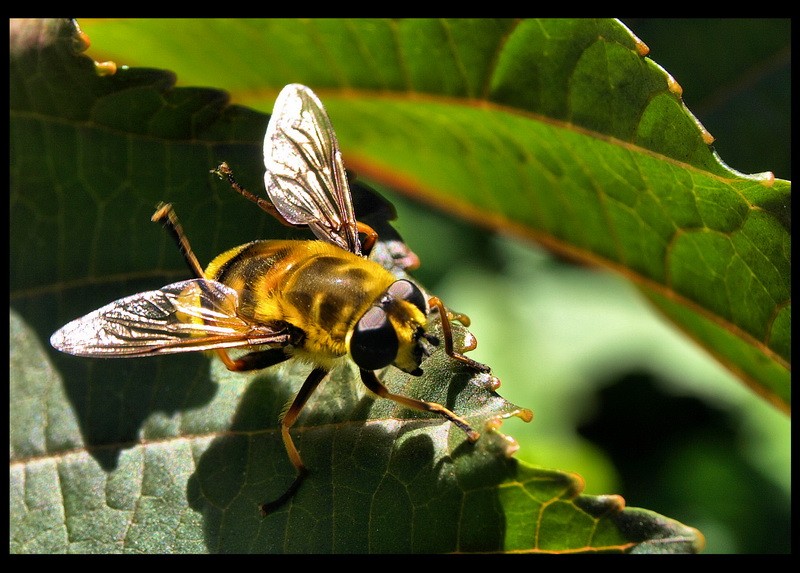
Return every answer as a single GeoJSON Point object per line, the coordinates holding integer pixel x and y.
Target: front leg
{"type": "Point", "coordinates": [447, 331]}
{"type": "Point", "coordinates": [371, 381]}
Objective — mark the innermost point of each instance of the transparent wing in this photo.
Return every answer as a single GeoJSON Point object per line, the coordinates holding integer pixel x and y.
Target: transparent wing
{"type": "Point", "coordinates": [186, 316]}
{"type": "Point", "coordinates": [305, 176]}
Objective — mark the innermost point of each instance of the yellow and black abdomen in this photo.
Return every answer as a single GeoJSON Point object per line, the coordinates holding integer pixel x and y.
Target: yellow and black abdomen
{"type": "Point", "coordinates": [315, 286]}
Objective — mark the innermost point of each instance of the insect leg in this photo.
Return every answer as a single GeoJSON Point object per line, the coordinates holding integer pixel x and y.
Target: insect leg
{"type": "Point", "coordinates": [165, 214]}
{"type": "Point", "coordinates": [287, 422]}
{"type": "Point", "coordinates": [258, 360]}
{"type": "Point", "coordinates": [370, 237]}
{"type": "Point", "coordinates": [224, 172]}
{"type": "Point", "coordinates": [371, 382]}
{"type": "Point", "coordinates": [447, 331]}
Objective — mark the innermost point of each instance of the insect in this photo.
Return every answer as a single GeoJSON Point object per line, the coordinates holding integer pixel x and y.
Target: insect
{"type": "Point", "coordinates": [314, 300]}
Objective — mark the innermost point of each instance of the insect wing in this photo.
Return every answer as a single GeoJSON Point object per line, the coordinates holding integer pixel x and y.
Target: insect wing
{"type": "Point", "coordinates": [305, 176]}
{"type": "Point", "coordinates": [187, 316]}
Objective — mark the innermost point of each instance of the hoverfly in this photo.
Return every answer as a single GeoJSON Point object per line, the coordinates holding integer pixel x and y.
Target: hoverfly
{"type": "Point", "coordinates": [315, 300]}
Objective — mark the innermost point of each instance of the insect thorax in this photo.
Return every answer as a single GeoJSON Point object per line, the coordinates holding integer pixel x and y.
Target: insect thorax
{"type": "Point", "coordinates": [315, 286]}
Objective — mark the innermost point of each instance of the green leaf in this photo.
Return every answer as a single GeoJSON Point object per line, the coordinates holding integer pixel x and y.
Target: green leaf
{"type": "Point", "coordinates": [556, 130]}
{"type": "Point", "coordinates": [109, 456]}
{"type": "Point", "coordinates": [192, 480]}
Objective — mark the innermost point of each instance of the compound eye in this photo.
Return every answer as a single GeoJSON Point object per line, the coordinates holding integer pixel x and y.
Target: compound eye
{"type": "Point", "coordinates": [374, 342]}
{"type": "Point", "coordinates": [408, 291]}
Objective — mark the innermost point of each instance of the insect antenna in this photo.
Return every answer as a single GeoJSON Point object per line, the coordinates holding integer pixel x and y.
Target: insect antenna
{"type": "Point", "coordinates": [224, 172]}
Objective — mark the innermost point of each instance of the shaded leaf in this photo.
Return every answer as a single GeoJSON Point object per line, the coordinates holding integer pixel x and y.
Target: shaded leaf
{"type": "Point", "coordinates": [381, 481]}
{"type": "Point", "coordinates": [167, 455]}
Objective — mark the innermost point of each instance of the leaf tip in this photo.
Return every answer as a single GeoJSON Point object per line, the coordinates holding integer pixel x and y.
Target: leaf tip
{"type": "Point", "coordinates": [673, 86]}
{"type": "Point", "coordinates": [508, 444]}
{"type": "Point", "coordinates": [767, 179]}
{"type": "Point", "coordinates": [81, 41]}
{"type": "Point", "coordinates": [103, 69]}
{"type": "Point", "coordinates": [601, 505]}
{"type": "Point", "coordinates": [641, 48]}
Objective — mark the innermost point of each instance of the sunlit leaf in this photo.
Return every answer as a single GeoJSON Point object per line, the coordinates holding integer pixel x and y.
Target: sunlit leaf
{"type": "Point", "coordinates": [560, 130]}
{"type": "Point", "coordinates": [167, 455]}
